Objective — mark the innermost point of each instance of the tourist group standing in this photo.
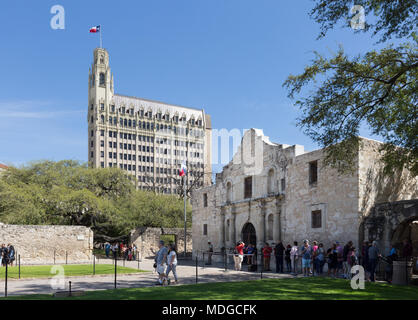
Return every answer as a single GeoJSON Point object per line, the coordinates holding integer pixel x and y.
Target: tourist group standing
{"type": "Point", "coordinates": [7, 255]}
{"type": "Point", "coordinates": [121, 250]}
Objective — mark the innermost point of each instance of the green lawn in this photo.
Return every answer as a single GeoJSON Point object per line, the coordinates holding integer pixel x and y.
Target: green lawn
{"type": "Point", "coordinates": [266, 289]}
{"type": "Point", "coordinates": [70, 270]}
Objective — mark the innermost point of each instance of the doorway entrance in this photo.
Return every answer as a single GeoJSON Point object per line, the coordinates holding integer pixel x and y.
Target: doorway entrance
{"type": "Point", "coordinates": [248, 234]}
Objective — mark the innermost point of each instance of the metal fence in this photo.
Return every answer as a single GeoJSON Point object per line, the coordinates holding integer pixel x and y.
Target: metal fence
{"type": "Point", "coordinates": [18, 271]}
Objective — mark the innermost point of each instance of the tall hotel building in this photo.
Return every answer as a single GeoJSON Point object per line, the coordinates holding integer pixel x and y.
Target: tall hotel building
{"type": "Point", "coordinates": [148, 139]}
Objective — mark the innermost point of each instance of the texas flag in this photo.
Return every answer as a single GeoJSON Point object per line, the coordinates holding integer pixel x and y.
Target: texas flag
{"type": "Point", "coordinates": [183, 170]}
{"type": "Point", "coordinates": [95, 29]}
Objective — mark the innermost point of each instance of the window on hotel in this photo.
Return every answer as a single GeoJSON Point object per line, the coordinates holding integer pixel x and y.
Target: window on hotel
{"type": "Point", "coordinates": [102, 79]}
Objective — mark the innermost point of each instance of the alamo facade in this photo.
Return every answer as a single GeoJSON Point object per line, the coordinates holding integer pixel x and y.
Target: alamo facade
{"type": "Point", "coordinates": [270, 192]}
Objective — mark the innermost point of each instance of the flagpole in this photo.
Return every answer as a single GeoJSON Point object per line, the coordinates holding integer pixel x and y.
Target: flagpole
{"type": "Point", "coordinates": [185, 217]}
{"type": "Point", "coordinates": [100, 31]}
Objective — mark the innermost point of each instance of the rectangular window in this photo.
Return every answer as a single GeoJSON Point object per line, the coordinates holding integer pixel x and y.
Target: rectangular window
{"type": "Point", "coordinates": [205, 200]}
{"type": "Point", "coordinates": [313, 172]}
{"type": "Point", "coordinates": [248, 187]}
{"type": "Point", "coordinates": [283, 184]}
{"type": "Point", "coordinates": [316, 219]}
{"type": "Point", "coordinates": [102, 133]}
{"type": "Point", "coordinates": [205, 229]}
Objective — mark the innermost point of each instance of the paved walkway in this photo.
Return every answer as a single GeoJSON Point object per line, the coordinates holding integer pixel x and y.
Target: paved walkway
{"type": "Point", "coordinates": [186, 271]}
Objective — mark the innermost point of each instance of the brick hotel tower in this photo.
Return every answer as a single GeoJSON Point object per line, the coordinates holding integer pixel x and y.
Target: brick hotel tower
{"type": "Point", "coordinates": [146, 138]}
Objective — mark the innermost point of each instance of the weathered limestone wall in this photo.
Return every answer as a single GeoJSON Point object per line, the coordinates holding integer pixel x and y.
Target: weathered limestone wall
{"type": "Point", "coordinates": [374, 187]}
{"type": "Point", "coordinates": [334, 194]}
{"type": "Point", "coordinates": [36, 244]}
{"type": "Point", "coordinates": [146, 240]}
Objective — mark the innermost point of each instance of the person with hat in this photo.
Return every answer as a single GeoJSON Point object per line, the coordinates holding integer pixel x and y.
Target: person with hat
{"type": "Point", "coordinates": [239, 256]}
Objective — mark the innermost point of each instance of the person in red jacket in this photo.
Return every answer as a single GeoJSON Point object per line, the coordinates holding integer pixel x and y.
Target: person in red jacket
{"type": "Point", "coordinates": [267, 254]}
{"type": "Point", "coordinates": [239, 255]}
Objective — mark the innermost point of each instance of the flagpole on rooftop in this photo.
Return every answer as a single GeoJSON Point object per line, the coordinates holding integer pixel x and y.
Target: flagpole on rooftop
{"type": "Point", "coordinates": [100, 31]}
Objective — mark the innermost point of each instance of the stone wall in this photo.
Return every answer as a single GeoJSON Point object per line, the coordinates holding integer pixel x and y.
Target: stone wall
{"type": "Point", "coordinates": [146, 240]}
{"type": "Point", "coordinates": [36, 244]}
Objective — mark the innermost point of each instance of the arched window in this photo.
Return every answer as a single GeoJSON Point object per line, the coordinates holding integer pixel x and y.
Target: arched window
{"type": "Point", "coordinates": [270, 181]}
{"type": "Point", "coordinates": [102, 79]}
{"type": "Point", "coordinates": [228, 192]}
{"type": "Point", "coordinates": [270, 227]}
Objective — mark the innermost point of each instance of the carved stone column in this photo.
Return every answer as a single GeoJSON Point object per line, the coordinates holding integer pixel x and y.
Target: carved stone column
{"type": "Point", "coordinates": [277, 223]}
{"type": "Point", "coordinates": [234, 227]}
{"type": "Point", "coordinates": [223, 243]}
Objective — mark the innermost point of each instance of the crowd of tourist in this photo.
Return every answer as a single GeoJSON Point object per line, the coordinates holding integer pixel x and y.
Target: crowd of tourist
{"type": "Point", "coordinates": [121, 251]}
{"type": "Point", "coordinates": [7, 255]}
{"type": "Point", "coordinates": [311, 258]}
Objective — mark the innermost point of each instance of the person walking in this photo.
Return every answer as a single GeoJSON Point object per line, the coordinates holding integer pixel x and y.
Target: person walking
{"type": "Point", "coordinates": [365, 257]}
{"type": "Point", "coordinates": [115, 250]}
{"type": "Point", "coordinates": [351, 261]}
{"type": "Point", "coordinates": [346, 268]}
{"type": "Point", "coordinates": [107, 249]}
{"type": "Point", "coordinates": [250, 254]}
{"type": "Point", "coordinates": [210, 253]}
{"type": "Point", "coordinates": [5, 255]}
{"type": "Point", "coordinates": [239, 257]}
{"type": "Point", "coordinates": [11, 253]}
{"type": "Point", "coordinates": [294, 256]}
{"type": "Point", "coordinates": [134, 251]}
{"type": "Point", "coordinates": [374, 255]}
{"type": "Point", "coordinates": [267, 250]}
{"type": "Point", "coordinates": [340, 259]}
{"type": "Point", "coordinates": [2, 254]}
{"type": "Point", "coordinates": [319, 259]}
{"type": "Point", "coordinates": [287, 258]}
{"type": "Point", "coordinates": [307, 253]}
{"type": "Point", "coordinates": [161, 261]}
{"type": "Point", "coordinates": [172, 263]}
{"type": "Point", "coordinates": [332, 259]}
{"type": "Point", "coordinates": [278, 253]}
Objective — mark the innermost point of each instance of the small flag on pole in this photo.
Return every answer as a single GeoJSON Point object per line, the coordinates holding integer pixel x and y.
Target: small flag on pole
{"type": "Point", "coordinates": [95, 29]}
{"type": "Point", "coordinates": [183, 170]}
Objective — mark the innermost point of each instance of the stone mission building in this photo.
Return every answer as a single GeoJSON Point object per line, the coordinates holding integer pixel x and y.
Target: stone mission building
{"type": "Point", "coordinates": [146, 138]}
{"type": "Point", "coordinates": [271, 192]}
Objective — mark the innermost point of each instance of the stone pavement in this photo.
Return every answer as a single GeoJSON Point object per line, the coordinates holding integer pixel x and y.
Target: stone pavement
{"type": "Point", "coordinates": [186, 271]}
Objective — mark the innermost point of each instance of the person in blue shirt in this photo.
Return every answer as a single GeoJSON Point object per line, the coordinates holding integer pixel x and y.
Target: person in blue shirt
{"type": "Point", "coordinates": [107, 249]}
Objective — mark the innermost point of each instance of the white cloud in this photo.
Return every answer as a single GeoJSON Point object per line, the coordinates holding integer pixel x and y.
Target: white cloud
{"type": "Point", "coordinates": [35, 109]}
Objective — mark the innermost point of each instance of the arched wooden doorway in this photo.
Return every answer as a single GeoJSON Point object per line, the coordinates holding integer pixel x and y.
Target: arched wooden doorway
{"type": "Point", "coordinates": [249, 234]}
{"type": "Point", "coordinates": [406, 230]}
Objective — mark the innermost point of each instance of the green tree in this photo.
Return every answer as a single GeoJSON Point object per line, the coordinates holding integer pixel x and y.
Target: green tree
{"type": "Point", "coordinates": [378, 88]}
{"type": "Point", "coordinates": [70, 193]}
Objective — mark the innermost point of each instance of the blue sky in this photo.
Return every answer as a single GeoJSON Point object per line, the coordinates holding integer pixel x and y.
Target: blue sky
{"type": "Point", "coordinates": [229, 57]}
